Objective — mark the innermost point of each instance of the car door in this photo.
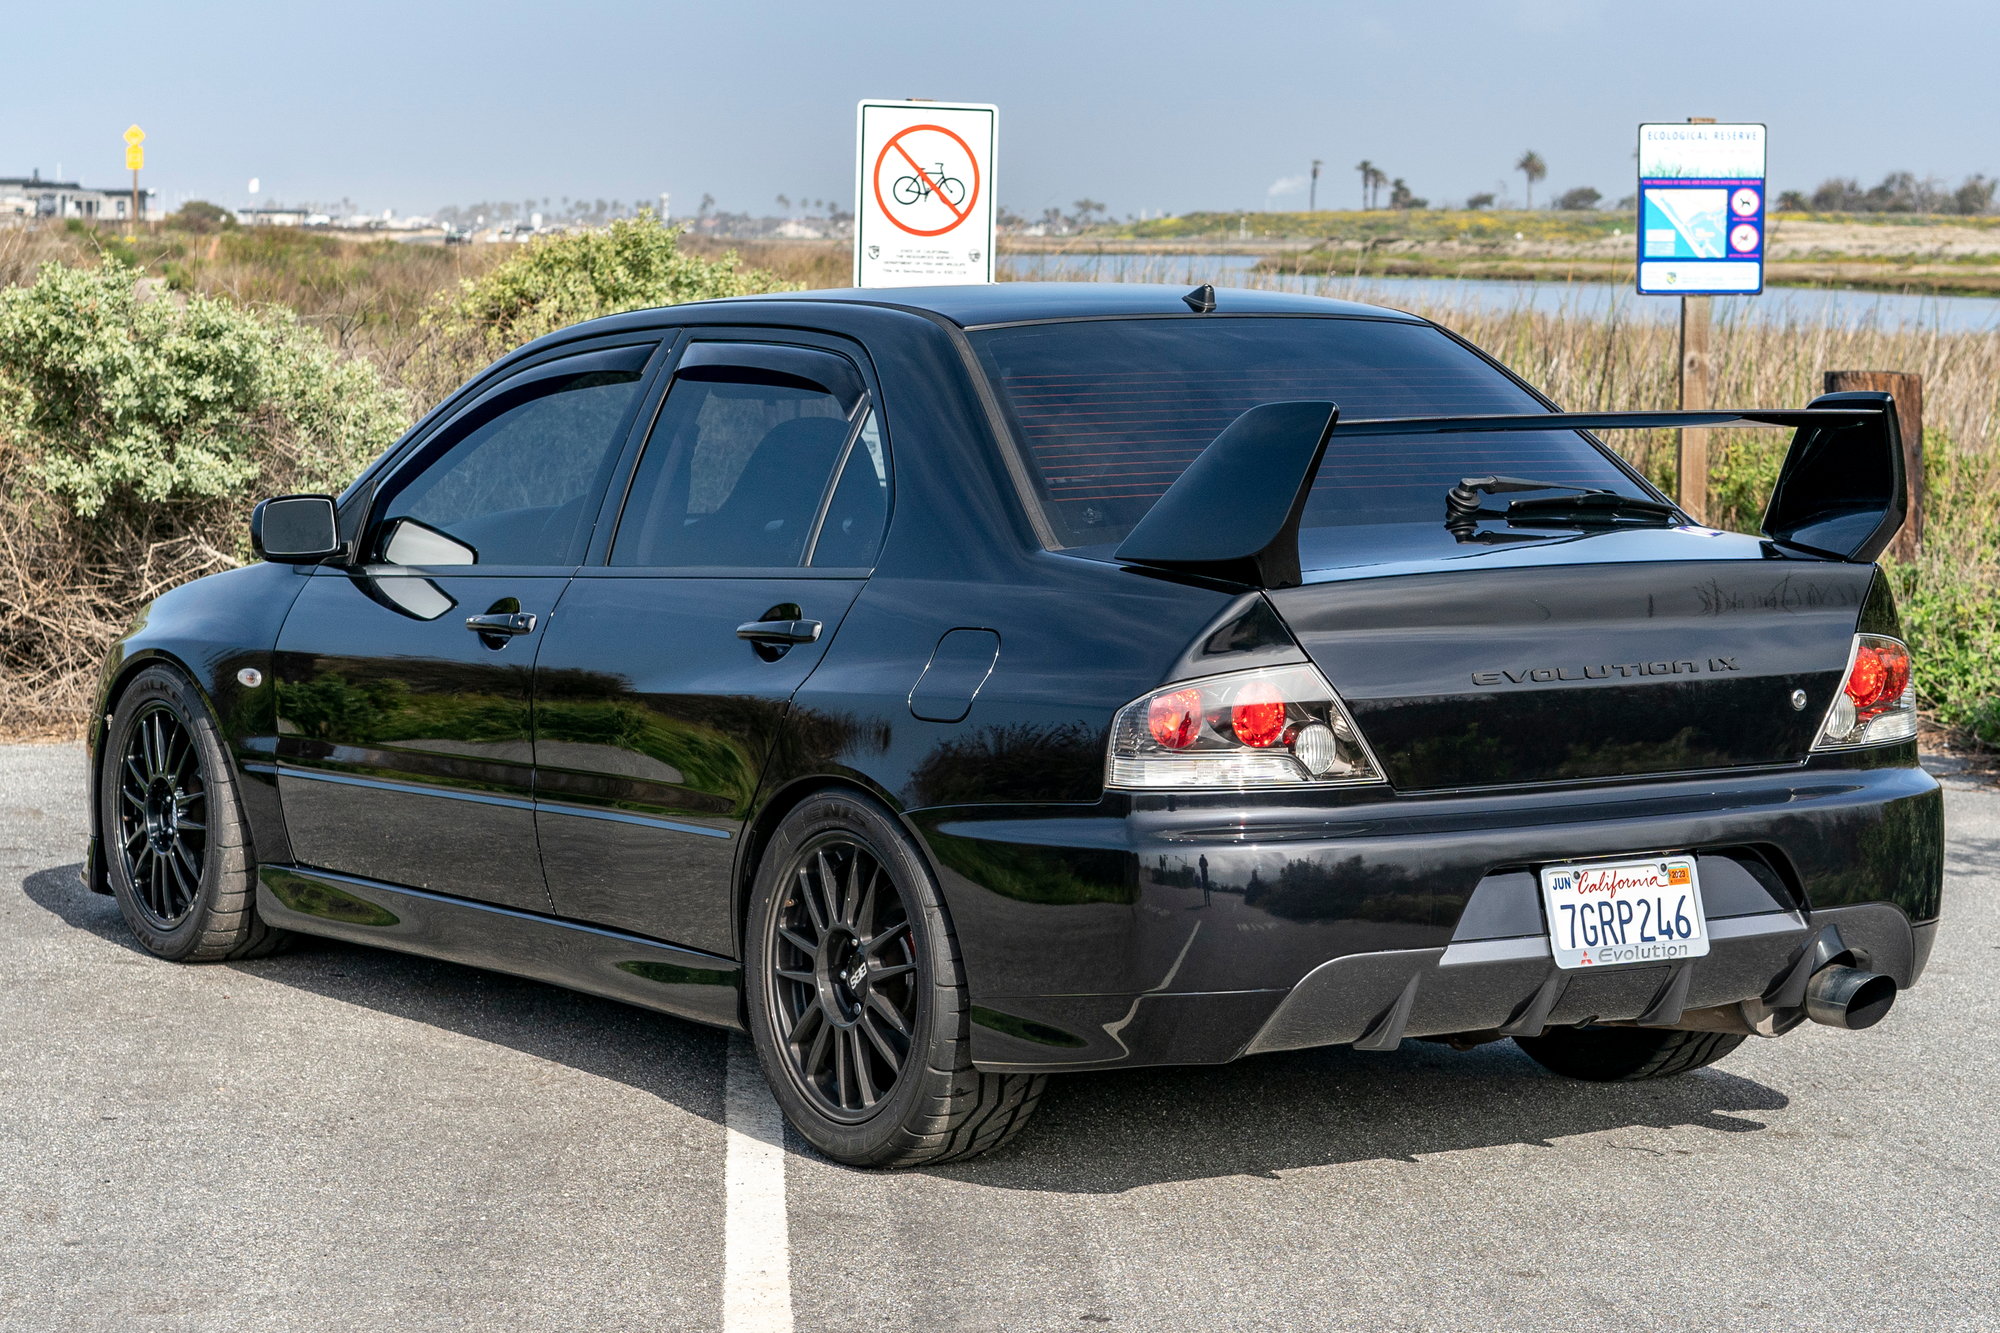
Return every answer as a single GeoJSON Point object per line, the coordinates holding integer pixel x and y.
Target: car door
{"type": "Point", "coordinates": [751, 520]}
{"type": "Point", "coordinates": [404, 683]}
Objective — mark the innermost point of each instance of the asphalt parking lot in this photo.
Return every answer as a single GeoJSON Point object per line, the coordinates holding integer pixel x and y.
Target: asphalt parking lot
{"type": "Point", "coordinates": [337, 1138]}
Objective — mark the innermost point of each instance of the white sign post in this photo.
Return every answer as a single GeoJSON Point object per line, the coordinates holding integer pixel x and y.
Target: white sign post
{"type": "Point", "coordinates": [923, 193]}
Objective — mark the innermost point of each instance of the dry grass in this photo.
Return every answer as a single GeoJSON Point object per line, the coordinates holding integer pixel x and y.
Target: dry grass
{"type": "Point", "coordinates": [1629, 365]}
{"type": "Point", "coordinates": [810, 263]}
{"type": "Point", "coordinates": [63, 607]}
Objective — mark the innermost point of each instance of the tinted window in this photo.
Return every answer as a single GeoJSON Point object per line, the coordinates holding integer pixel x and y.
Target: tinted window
{"type": "Point", "coordinates": [736, 467]}
{"type": "Point", "coordinates": [851, 532]}
{"type": "Point", "coordinates": [517, 478]}
{"type": "Point", "coordinates": [1110, 412]}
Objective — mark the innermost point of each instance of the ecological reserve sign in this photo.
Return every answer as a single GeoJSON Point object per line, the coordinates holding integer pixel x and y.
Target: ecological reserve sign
{"type": "Point", "coordinates": [1701, 210]}
{"type": "Point", "coordinates": [923, 209]}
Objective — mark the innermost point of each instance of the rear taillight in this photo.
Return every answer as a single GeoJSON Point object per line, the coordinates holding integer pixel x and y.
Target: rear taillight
{"type": "Point", "coordinates": [1877, 703]}
{"type": "Point", "coordinates": [1278, 727]}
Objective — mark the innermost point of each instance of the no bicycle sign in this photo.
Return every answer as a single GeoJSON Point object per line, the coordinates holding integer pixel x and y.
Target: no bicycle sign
{"type": "Point", "coordinates": [924, 193]}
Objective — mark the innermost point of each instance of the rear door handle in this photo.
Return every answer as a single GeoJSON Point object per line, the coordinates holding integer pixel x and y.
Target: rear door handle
{"type": "Point", "coordinates": [506, 623]}
{"type": "Point", "coordinates": [779, 631]}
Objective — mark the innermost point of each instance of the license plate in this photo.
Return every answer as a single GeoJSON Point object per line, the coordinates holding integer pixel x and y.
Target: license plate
{"type": "Point", "coordinates": [1610, 912]}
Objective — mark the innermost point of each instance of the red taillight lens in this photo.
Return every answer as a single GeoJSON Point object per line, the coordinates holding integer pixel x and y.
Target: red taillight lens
{"type": "Point", "coordinates": [1266, 727]}
{"type": "Point", "coordinates": [1174, 718]}
{"type": "Point", "coordinates": [1876, 704]}
{"type": "Point", "coordinates": [1880, 674]}
{"type": "Point", "coordinates": [1258, 715]}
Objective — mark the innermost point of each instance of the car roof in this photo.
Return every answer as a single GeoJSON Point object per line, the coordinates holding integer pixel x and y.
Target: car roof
{"type": "Point", "coordinates": [980, 304]}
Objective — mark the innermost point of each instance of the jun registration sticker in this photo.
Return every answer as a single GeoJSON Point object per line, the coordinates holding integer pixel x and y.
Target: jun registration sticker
{"type": "Point", "coordinates": [1608, 913]}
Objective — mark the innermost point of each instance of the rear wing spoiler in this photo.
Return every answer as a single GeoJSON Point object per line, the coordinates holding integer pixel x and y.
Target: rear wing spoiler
{"type": "Point", "coordinates": [1234, 513]}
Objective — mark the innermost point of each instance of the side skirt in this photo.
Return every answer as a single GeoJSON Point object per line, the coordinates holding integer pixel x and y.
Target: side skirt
{"type": "Point", "coordinates": [591, 959]}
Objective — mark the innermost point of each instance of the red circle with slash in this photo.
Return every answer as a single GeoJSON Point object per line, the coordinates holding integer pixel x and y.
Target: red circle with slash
{"type": "Point", "coordinates": [959, 213]}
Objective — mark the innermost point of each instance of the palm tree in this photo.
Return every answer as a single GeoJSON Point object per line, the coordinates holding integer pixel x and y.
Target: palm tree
{"type": "Point", "coordinates": [1367, 170]}
{"type": "Point", "coordinates": [1532, 166]}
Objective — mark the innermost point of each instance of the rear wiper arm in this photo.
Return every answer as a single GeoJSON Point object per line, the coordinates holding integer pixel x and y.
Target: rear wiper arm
{"type": "Point", "coordinates": [1592, 507]}
{"type": "Point", "coordinates": [1464, 506]}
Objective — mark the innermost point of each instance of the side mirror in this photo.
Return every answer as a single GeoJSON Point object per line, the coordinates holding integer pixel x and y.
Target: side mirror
{"type": "Point", "coordinates": [295, 529]}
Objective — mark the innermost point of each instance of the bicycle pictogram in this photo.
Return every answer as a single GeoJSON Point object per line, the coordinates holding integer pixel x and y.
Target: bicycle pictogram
{"type": "Point", "coordinates": [918, 186]}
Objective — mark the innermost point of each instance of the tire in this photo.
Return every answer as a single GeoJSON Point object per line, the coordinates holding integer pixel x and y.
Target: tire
{"type": "Point", "coordinates": [825, 1018]}
{"type": "Point", "coordinates": [1626, 1055]}
{"type": "Point", "coordinates": [176, 845]}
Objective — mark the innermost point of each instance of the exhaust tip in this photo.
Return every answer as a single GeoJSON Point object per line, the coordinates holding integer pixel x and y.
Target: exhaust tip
{"type": "Point", "coordinates": [1847, 997]}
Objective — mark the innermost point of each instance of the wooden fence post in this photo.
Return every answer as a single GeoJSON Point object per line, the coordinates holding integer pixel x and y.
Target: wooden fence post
{"type": "Point", "coordinates": [1697, 381]}
{"type": "Point", "coordinates": [1909, 394]}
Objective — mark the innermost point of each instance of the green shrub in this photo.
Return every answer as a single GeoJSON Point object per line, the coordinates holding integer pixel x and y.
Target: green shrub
{"type": "Point", "coordinates": [200, 216]}
{"type": "Point", "coordinates": [1950, 596]}
{"type": "Point", "coordinates": [1951, 616]}
{"type": "Point", "coordinates": [634, 264]}
{"type": "Point", "coordinates": [1742, 469]}
{"type": "Point", "coordinates": [136, 427]}
{"type": "Point", "coordinates": [115, 396]}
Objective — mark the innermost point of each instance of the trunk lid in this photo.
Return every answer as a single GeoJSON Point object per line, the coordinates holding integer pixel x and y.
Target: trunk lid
{"type": "Point", "coordinates": [1538, 672]}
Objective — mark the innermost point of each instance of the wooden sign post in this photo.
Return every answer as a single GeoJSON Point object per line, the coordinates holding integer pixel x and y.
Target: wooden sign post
{"type": "Point", "coordinates": [1697, 383]}
{"type": "Point", "coordinates": [1697, 394]}
{"type": "Point", "coordinates": [1908, 391]}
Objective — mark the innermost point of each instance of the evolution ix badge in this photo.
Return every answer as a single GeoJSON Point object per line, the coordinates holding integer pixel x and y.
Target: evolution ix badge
{"type": "Point", "coordinates": [1603, 671]}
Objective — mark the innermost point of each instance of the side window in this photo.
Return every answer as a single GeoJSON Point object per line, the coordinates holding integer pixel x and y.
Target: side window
{"type": "Point", "coordinates": [851, 532]}
{"type": "Point", "coordinates": [516, 480]}
{"type": "Point", "coordinates": [740, 458]}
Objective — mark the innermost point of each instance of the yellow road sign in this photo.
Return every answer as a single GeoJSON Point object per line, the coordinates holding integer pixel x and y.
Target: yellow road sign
{"type": "Point", "coordinates": [135, 157]}
{"type": "Point", "coordinates": [134, 135]}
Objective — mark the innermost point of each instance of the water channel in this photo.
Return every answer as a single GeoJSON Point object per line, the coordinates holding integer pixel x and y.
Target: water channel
{"type": "Point", "coordinates": [1591, 300]}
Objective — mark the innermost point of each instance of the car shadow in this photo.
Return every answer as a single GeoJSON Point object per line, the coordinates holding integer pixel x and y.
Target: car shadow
{"type": "Point", "coordinates": [678, 1061]}
{"type": "Point", "coordinates": [1113, 1131]}
{"type": "Point", "coordinates": [1095, 1133]}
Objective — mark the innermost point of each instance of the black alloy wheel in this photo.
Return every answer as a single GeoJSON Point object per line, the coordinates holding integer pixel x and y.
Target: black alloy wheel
{"type": "Point", "coordinates": [856, 995]}
{"type": "Point", "coordinates": [844, 977]}
{"type": "Point", "coordinates": [170, 824]}
{"type": "Point", "coordinates": [162, 833]}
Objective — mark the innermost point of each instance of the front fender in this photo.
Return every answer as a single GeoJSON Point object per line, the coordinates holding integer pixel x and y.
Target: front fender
{"type": "Point", "coordinates": [209, 630]}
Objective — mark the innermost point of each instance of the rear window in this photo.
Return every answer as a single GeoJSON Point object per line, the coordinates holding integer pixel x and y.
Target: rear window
{"type": "Point", "coordinates": [1110, 412]}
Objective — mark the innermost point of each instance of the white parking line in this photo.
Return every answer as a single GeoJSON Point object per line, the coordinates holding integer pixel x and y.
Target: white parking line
{"type": "Point", "coordinates": [756, 1237]}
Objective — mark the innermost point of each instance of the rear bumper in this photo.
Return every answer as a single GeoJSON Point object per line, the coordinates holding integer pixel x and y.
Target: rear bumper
{"type": "Point", "coordinates": [1512, 986]}
{"type": "Point", "coordinates": [1170, 932]}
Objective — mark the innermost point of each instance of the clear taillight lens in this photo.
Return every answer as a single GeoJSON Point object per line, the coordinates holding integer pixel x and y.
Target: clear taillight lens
{"type": "Point", "coordinates": [1278, 727]}
{"type": "Point", "coordinates": [1877, 702]}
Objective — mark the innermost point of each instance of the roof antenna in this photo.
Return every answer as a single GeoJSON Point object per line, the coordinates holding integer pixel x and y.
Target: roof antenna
{"type": "Point", "coordinates": [1202, 299]}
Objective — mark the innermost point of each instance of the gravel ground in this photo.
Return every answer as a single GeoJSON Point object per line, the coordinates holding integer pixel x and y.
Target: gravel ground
{"type": "Point", "coordinates": [338, 1138]}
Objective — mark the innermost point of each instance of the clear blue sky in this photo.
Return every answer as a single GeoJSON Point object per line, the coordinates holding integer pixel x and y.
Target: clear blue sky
{"type": "Point", "coordinates": [1152, 104]}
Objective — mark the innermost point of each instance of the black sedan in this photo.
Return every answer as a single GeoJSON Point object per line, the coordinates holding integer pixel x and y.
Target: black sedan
{"type": "Point", "coordinates": [955, 686]}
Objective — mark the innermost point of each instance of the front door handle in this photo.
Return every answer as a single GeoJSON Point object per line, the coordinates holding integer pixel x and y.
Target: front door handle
{"type": "Point", "coordinates": [785, 632]}
{"type": "Point", "coordinates": [503, 623]}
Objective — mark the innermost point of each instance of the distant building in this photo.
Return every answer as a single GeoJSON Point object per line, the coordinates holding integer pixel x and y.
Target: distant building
{"type": "Point", "coordinates": [274, 217]}
{"type": "Point", "coordinates": [32, 197]}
